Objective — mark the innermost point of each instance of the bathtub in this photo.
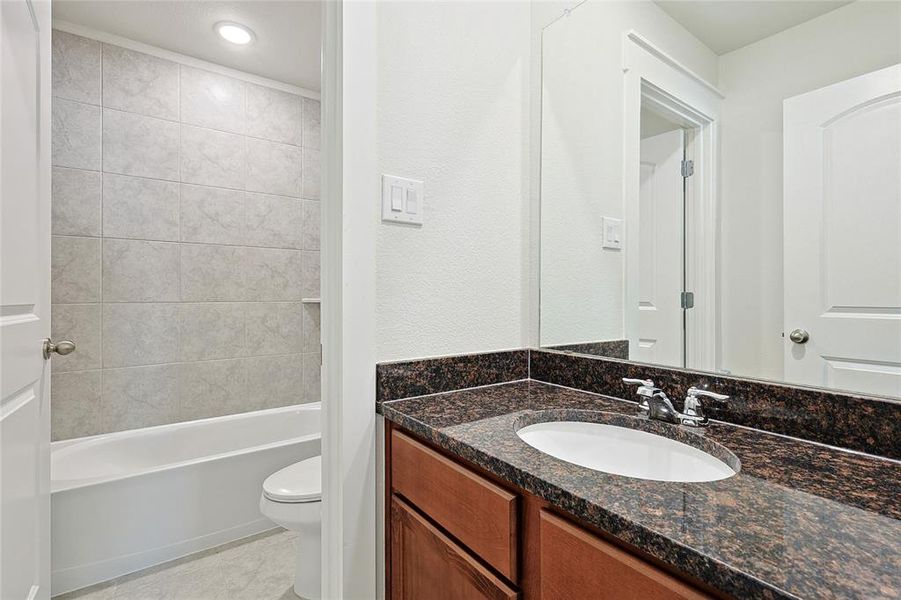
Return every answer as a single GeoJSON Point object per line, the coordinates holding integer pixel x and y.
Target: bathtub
{"type": "Point", "coordinates": [124, 501]}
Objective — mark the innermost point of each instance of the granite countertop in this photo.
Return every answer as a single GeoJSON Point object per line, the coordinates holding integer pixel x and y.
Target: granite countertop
{"type": "Point", "coordinates": [800, 520]}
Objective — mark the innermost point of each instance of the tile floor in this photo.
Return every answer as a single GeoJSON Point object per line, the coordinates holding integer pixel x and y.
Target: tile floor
{"type": "Point", "coordinates": [260, 567]}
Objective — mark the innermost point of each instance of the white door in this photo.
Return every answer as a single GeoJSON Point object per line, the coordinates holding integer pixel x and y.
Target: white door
{"type": "Point", "coordinates": [24, 299]}
{"type": "Point", "coordinates": [842, 234]}
{"type": "Point", "coordinates": [660, 230]}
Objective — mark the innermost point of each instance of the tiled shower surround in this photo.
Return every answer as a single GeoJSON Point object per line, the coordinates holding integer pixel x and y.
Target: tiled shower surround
{"type": "Point", "coordinates": [185, 237]}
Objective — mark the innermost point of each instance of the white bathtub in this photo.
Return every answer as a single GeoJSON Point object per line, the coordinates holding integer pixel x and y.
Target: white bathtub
{"type": "Point", "coordinates": [124, 501]}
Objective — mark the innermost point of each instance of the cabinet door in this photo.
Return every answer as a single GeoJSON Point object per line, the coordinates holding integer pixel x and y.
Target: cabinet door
{"type": "Point", "coordinates": [479, 514]}
{"type": "Point", "coordinates": [426, 564]}
{"type": "Point", "coordinates": [578, 564]}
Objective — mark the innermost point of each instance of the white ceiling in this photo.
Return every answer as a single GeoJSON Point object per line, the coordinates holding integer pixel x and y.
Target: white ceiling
{"type": "Point", "coordinates": [725, 25]}
{"type": "Point", "coordinates": [287, 32]}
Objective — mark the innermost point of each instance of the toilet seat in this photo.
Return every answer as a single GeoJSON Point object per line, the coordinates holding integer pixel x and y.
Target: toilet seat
{"type": "Point", "coordinates": [297, 483]}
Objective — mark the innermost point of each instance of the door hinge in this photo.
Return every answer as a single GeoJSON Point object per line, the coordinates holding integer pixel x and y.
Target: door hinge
{"type": "Point", "coordinates": [688, 168]}
{"type": "Point", "coordinates": [688, 300]}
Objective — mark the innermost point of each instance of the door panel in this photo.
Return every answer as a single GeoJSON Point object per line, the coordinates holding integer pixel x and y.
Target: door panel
{"type": "Point", "coordinates": [660, 327]}
{"type": "Point", "coordinates": [24, 299]}
{"type": "Point", "coordinates": [842, 236]}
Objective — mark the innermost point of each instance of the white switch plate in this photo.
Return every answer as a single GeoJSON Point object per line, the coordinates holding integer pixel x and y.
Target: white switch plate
{"type": "Point", "coordinates": [401, 200]}
{"type": "Point", "coordinates": [613, 233]}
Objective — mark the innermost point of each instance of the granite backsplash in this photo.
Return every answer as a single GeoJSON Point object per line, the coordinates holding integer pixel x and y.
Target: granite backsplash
{"type": "Point", "coordinates": [862, 423]}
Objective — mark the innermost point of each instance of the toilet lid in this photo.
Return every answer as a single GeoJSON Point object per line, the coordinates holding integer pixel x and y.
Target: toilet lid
{"type": "Point", "coordinates": [300, 482]}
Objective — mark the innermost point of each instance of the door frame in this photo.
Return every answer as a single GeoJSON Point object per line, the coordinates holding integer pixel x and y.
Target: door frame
{"type": "Point", "coordinates": [350, 182]}
{"type": "Point", "coordinates": [674, 90]}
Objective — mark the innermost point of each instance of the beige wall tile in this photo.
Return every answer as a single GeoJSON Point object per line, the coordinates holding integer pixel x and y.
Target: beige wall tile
{"type": "Point", "coordinates": [139, 334]}
{"type": "Point", "coordinates": [212, 273]}
{"type": "Point", "coordinates": [211, 215]}
{"type": "Point", "coordinates": [212, 388]}
{"type": "Point", "coordinates": [212, 100]}
{"type": "Point", "coordinates": [138, 208]}
{"type": "Point", "coordinates": [137, 397]}
{"type": "Point", "coordinates": [274, 168]}
{"type": "Point", "coordinates": [274, 328]}
{"type": "Point", "coordinates": [274, 115]}
{"type": "Point", "coordinates": [76, 135]}
{"type": "Point", "coordinates": [273, 275]}
{"type": "Point", "coordinates": [75, 405]}
{"type": "Point", "coordinates": [76, 67]}
{"type": "Point", "coordinates": [210, 157]}
{"type": "Point", "coordinates": [211, 330]}
{"type": "Point", "coordinates": [273, 221]}
{"type": "Point", "coordinates": [274, 381]}
{"type": "Point", "coordinates": [140, 145]}
{"type": "Point", "coordinates": [79, 323]}
{"type": "Point", "coordinates": [75, 270]}
{"type": "Point", "coordinates": [75, 200]}
{"type": "Point", "coordinates": [139, 83]}
{"type": "Point", "coordinates": [140, 271]}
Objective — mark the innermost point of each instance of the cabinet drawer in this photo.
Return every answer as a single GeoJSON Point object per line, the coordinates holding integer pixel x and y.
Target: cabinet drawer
{"type": "Point", "coordinates": [426, 564]}
{"type": "Point", "coordinates": [575, 563]}
{"type": "Point", "coordinates": [482, 515]}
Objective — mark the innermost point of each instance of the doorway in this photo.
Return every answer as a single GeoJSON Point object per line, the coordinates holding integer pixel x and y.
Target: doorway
{"type": "Point", "coordinates": [661, 226]}
{"type": "Point", "coordinates": [671, 202]}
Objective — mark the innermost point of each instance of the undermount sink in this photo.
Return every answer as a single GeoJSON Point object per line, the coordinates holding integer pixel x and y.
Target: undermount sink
{"type": "Point", "coordinates": [628, 450]}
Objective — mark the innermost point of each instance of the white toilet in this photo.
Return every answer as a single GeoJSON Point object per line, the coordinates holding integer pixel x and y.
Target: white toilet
{"type": "Point", "coordinates": [292, 498]}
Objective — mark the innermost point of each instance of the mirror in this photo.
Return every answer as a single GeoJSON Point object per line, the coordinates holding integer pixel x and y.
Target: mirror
{"type": "Point", "coordinates": [721, 188]}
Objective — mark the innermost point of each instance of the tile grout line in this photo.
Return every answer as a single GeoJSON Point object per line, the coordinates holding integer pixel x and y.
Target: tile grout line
{"type": "Point", "coordinates": [102, 408]}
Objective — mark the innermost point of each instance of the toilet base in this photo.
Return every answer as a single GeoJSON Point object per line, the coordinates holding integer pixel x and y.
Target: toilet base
{"type": "Point", "coordinates": [304, 518]}
{"type": "Point", "coordinates": [308, 563]}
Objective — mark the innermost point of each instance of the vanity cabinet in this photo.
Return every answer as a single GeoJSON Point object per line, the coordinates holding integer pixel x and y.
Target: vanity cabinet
{"type": "Point", "coordinates": [575, 563]}
{"type": "Point", "coordinates": [427, 564]}
{"type": "Point", "coordinates": [455, 533]}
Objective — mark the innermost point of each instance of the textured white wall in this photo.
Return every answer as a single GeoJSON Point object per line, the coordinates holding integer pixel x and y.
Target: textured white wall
{"type": "Point", "coordinates": [453, 111]}
{"type": "Point", "coordinates": [841, 44]}
{"type": "Point", "coordinates": [582, 160]}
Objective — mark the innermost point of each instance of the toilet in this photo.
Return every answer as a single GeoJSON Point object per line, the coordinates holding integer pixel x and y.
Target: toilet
{"type": "Point", "coordinates": [292, 498]}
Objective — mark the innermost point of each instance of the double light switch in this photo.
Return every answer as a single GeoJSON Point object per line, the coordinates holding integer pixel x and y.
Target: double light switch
{"type": "Point", "coordinates": [401, 200]}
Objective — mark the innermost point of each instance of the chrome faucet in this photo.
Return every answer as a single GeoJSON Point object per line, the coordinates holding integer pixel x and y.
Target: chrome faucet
{"type": "Point", "coordinates": [656, 405]}
{"type": "Point", "coordinates": [645, 389]}
{"type": "Point", "coordinates": [693, 408]}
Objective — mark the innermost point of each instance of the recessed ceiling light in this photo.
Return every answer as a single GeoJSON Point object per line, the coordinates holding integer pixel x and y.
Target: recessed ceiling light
{"type": "Point", "coordinates": [234, 33]}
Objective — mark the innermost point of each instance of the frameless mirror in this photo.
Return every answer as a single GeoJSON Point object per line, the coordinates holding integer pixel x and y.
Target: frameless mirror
{"type": "Point", "coordinates": [721, 187]}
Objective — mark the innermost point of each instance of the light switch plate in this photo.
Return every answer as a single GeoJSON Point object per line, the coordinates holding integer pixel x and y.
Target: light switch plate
{"type": "Point", "coordinates": [613, 233]}
{"type": "Point", "coordinates": [401, 200]}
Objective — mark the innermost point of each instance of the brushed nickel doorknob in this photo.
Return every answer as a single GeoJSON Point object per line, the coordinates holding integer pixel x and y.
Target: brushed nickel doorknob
{"type": "Point", "coordinates": [62, 348]}
{"type": "Point", "coordinates": [799, 336]}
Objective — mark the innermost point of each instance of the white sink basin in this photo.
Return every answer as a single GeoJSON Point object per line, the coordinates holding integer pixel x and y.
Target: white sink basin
{"type": "Point", "coordinates": [624, 451]}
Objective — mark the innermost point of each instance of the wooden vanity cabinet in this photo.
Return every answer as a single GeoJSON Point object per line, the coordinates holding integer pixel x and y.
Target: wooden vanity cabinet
{"type": "Point", "coordinates": [575, 563]}
{"type": "Point", "coordinates": [455, 533]}
{"type": "Point", "coordinates": [427, 564]}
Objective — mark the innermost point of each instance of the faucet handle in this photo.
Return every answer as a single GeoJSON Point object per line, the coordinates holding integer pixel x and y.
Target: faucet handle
{"type": "Point", "coordinates": [694, 392]}
{"type": "Point", "coordinates": [693, 409]}
{"type": "Point", "coordinates": [645, 386]}
{"type": "Point", "coordinates": [646, 389]}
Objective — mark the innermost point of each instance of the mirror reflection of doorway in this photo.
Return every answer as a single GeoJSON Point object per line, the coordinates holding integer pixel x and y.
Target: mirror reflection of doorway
{"type": "Point", "coordinates": [661, 321]}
